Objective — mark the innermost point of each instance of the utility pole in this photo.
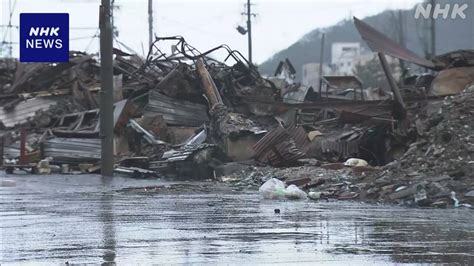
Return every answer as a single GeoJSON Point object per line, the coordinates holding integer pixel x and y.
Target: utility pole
{"type": "Point", "coordinates": [433, 30]}
{"type": "Point", "coordinates": [249, 28]}
{"type": "Point", "coordinates": [106, 90]}
{"type": "Point", "coordinates": [321, 60]}
{"type": "Point", "coordinates": [243, 31]}
{"type": "Point", "coordinates": [150, 22]}
{"type": "Point", "coordinates": [401, 39]}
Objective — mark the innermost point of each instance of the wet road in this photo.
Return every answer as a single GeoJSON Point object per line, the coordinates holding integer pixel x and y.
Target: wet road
{"type": "Point", "coordinates": [84, 219]}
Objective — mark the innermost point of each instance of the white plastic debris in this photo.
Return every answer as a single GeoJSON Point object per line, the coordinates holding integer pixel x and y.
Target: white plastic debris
{"type": "Point", "coordinates": [355, 162]}
{"type": "Point", "coordinates": [456, 201]}
{"type": "Point", "coordinates": [314, 195]}
{"type": "Point", "coordinates": [43, 167]}
{"type": "Point", "coordinates": [273, 189]}
{"type": "Point", "coordinates": [293, 192]}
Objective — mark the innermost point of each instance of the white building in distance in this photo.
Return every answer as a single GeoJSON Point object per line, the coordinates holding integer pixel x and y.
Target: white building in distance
{"type": "Point", "coordinates": [310, 76]}
{"type": "Point", "coordinates": [343, 55]}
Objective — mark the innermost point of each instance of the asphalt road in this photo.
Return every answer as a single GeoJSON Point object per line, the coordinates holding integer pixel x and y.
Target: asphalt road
{"type": "Point", "coordinates": [56, 219]}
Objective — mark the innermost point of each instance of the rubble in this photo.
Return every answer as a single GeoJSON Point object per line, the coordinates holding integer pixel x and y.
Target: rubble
{"type": "Point", "coordinates": [189, 116]}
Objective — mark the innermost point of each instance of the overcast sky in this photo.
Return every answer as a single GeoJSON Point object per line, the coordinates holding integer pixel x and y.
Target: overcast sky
{"type": "Point", "coordinates": [204, 24]}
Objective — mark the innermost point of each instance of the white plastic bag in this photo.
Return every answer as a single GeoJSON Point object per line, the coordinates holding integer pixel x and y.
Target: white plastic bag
{"type": "Point", "coordinates": [355, 162]}
{"type": "Point", "coordinates": [314, 195]}
{"type": "Point", "coordinates": [293, 192]}
{"type": "Point", "coordinates": [273, 189]}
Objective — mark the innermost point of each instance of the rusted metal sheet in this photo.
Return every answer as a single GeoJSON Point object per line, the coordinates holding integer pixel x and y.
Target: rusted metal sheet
{"type": "Point", "coordinates": [380, 43]}
{"type": "Point", "coordinates": [25, 111]}
{"type": "Point", "coordinates": [176, 112]}
{"type": "Point", "coordinates": [458, 58]}
{"type": "Point", "coordinates": [278, 147]}
{"type": "Point", "coordinates": [343, 82]}
{"type": "Point", "coordinates": [300, 137]}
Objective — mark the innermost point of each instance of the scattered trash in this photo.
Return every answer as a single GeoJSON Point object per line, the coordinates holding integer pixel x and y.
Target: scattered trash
{"type": "Point", "coordinates": [293, 192]}
{"type": "Point", "coordinates": [456, 201]}
{"type": "Point", "coordinates": [355, 162]}
{"type": "Point", "coordinates": [273, 189]}
{"type": "Point", "coordinates": [314, 195]}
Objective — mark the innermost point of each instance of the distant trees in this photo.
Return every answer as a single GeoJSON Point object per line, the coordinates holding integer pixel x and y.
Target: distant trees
{"type": "Point", "coordinates": [372, 75]}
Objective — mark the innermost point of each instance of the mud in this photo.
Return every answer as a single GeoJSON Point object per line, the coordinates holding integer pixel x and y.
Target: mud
{"type": "Point", "coordinates": [87, 219]}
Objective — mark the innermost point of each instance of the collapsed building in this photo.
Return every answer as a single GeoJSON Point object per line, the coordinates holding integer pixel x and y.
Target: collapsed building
{"type": "Point", "coordinates": [187, 115]}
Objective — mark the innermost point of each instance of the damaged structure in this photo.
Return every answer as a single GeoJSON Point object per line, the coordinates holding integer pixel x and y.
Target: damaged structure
{"type": "Point", "coordinates": [187, 115]}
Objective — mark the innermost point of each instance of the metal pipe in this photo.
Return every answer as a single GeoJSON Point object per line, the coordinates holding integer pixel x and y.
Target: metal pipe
{"type": "Point", "coordinates": [321, 60]}
{"type": "Point", "coordinates": [106, 91]}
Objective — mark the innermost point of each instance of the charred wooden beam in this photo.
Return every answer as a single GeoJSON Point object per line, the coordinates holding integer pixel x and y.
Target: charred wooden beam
{"type": "Point", "coordinates": [210, 88]}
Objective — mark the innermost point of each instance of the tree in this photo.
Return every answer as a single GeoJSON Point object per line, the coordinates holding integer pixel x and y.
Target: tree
{"type": "Point", "coordinates": [372, 75]}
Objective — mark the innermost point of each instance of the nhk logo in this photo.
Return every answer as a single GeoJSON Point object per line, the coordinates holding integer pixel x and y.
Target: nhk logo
{"type": "Point", "coordinates": [44, 43]}
{"type": "Point", "coordinates": [453, 12]}
{"type": "Point", "coordinates": [44, 37]}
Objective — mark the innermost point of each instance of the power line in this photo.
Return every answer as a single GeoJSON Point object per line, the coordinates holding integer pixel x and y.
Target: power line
{"type": "Point", "coordinates": [92, 39]}
{"type": "Point", "coordinates": [83, 37]}
{"type": "Point", "coordinates": [8, 30]}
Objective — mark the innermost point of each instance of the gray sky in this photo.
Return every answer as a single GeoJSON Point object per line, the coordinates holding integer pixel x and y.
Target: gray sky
{"type": "Point", "coordinates": [204, 24]}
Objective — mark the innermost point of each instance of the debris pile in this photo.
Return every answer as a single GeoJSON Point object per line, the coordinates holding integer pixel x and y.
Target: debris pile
{"type": "Point", "coordinates": [187, 115]}
{"type": "Point", "coordinates": [179, 115]}
{"type": "Point", "coordinates": [435, 171]}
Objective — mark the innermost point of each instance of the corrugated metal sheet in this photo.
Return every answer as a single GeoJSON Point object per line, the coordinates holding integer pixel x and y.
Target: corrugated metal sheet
{"type": "Point", "coordinates": [345, 144]}
{"type": "Point", "coordinates": [279, 147]}
{"type": "Point", "coordinates": [184, 152]}
{"type": "Point", "coordinates": [300, 137]}
{"type": "Point", "coordinates": [25, 111]}
{"type": "Point", "coordinates": [148, 136]}
{"type": "Point", "coordinates": [343, 148]}
{"type": "Point", "coordinates": [381, 43]}
{"type": "Point", "coordinates": [197, 139]}
{"type": "Point", "coordinates": [176, 112]}
{"type": "Point", "coordinates": [72, 149]}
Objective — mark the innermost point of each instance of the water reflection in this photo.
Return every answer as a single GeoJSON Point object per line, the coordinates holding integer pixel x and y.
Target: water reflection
{"type": "Point", "coordinates": [434, 242]}
{"type": "Point", "coordinates": [106, 217]}
{"type": "Point", "coordinates": [212, 226]}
